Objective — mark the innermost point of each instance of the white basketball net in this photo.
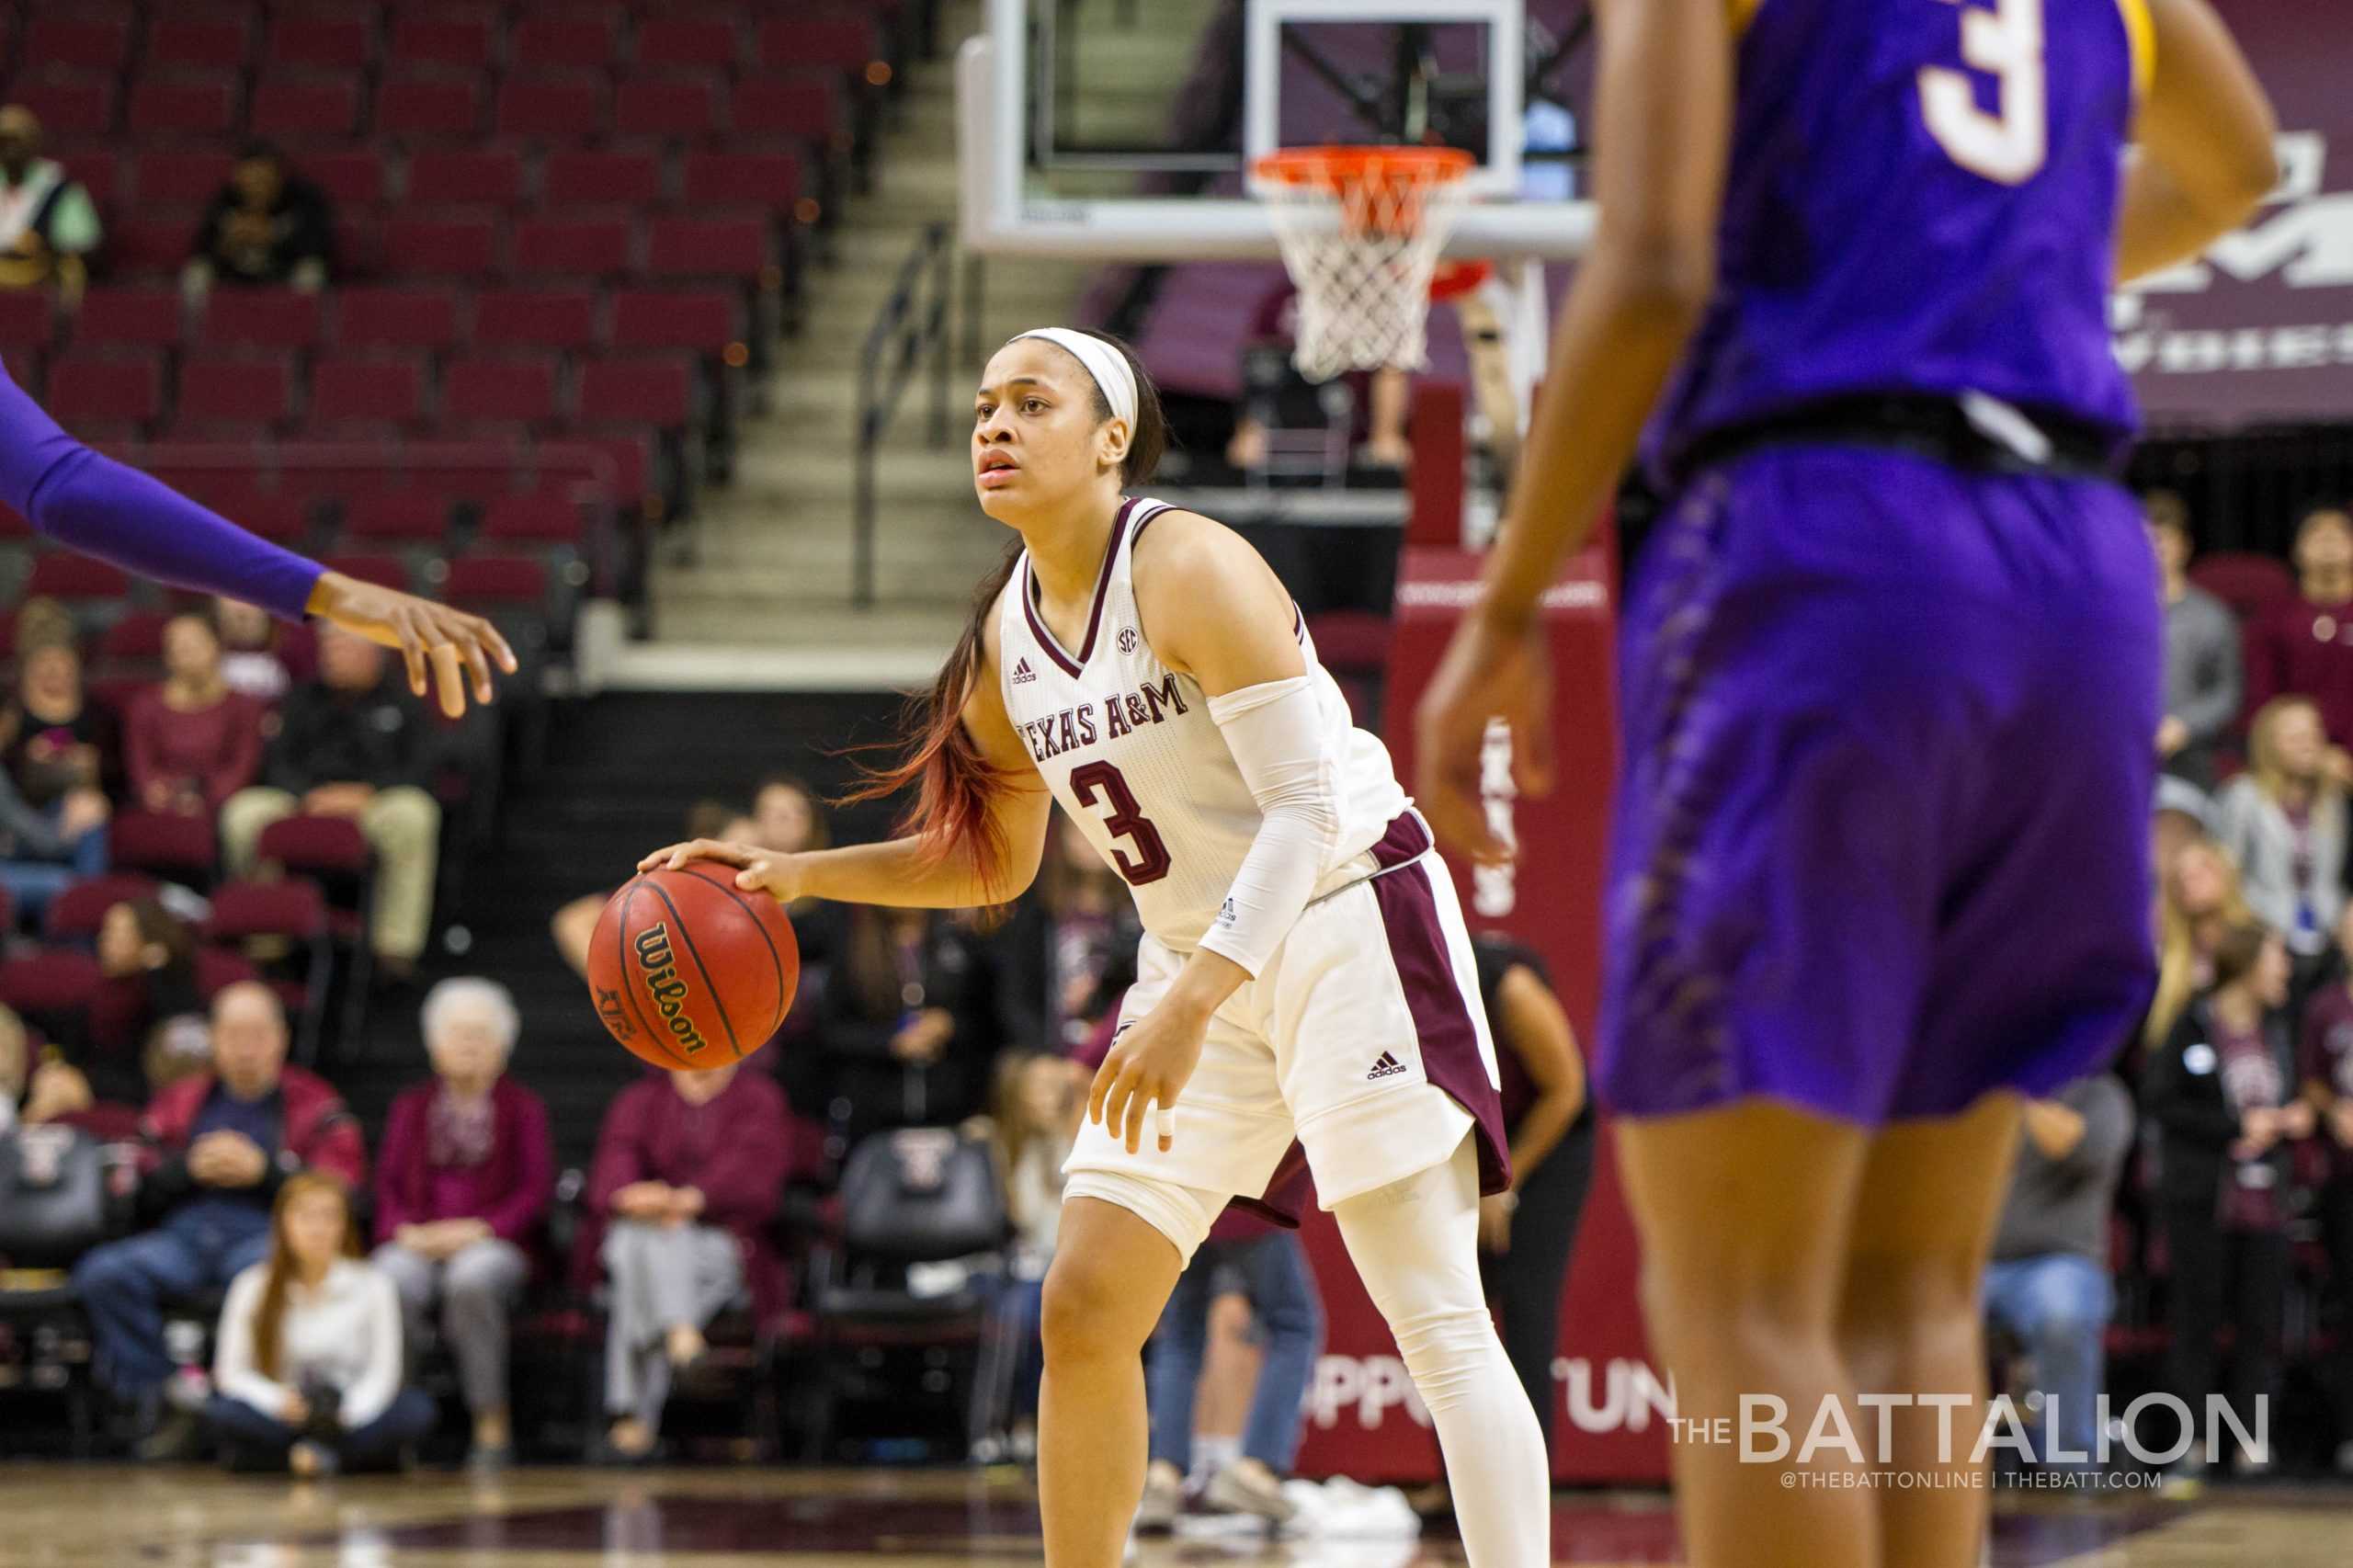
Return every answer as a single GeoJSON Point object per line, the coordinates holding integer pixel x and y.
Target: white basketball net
{"type": "Point", "coordinates": [1362, 245]}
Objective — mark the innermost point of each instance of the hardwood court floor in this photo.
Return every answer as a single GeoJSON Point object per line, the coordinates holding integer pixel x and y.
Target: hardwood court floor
{"type": "Point", "coordinates": [70, 1517]}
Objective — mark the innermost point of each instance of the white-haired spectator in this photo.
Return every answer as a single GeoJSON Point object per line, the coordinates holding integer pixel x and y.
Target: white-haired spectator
{"type": "Point", "coordinates": [464, 1177]}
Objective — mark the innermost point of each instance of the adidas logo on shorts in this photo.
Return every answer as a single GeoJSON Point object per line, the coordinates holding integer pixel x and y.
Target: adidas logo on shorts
{"type": "Point", "coordinates": [1387, 1067]}
{"type": "Point", "coordinates": [1023, 672]}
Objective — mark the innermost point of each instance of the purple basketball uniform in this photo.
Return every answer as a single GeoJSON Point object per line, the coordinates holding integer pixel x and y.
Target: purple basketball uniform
{"type": "Point", "coordinates": [1882, 837]}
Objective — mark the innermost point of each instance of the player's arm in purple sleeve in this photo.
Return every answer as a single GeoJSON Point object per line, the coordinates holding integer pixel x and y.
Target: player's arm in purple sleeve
{"type": "Point", "coordinates": [99, 506]}
{"type": "Point", "coordinates": [96, 506]}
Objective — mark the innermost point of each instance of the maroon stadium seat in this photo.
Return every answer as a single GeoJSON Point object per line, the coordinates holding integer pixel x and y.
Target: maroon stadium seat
{"type": "Point", "coordinates": [67, 576]}
{"type": "Point", "coordinates": [487, 580]}
{"type": "Point", "coordinates": [183, 106]}
{"type": "Point", "coordinates": [128, 316]}
{"type": "Point", "coordinates": [565, 40]}
{"type": "Point", "coordinates": [376, 390]}
{"type": "Point", "coordinates": [97, 170]}
{"type": "Point", "coordinates": [74, 915]}
{"type": "Point", "coordinates": [657, 391]}
{"type": "Point", "coordinates": [389, 517]}
{"type": "Point", "coordinates": [137, 637]}
{"type": "Point", "coordinates": [449, 42]}
{"type": "Point", "coordinates": [26, 318]}
{"type": "Point", "coordinates": [188, 178]}
{"type": "Point", "coordinates": [78, 40]}
{"type": "Point", "coordinates": [52, 989]}
{"type": "Point", "coordinates": [708, 247]}
{"type": "Point", "coordinates": [292, 908]}
{"type": "Point", "coordinates": [359, 244]}
{"type": "Point", "coordinates": [2248, 582]}
{"type": "Point", "coordinates": [676, 107]}
{"type": "Point", "coordinates": [458, 246]}
{"type": "Point", "coordinates": [68, 104]}
{"type": "Point", "coordinates": [238, 391]}
{"type": "Point", "coordinates": [204, 43]}
{"type": "Point", "coordinates": [475, 176]}
{"type": "Point", "coordinates": [428, 106]}
{"type": "Point", "coordinates": [164, 844]}
{"type": "Point", "coordinates": [802, 108]}
{"type": "Point", "coordinates": [280, 517]}
{"type": "Point", "coordinates": [552, 109]}
{"type": "Point", "coordinates": [535, 318]}
{"type": "Point", "coordinates": [322, 43]}
{"type": "Point", "coordinates": [352, 177]}
{"type": "Point", "coordinates": [217, 969]}
{"type": "Point", "coordinates": [702, 318]}
{"type": "Point", "coordinates": [535, 519]}
{"type": "Point", "coordinates": [305, 108]}
{"type": "Point", "coordinates": [841, 41]}
{"type": "Point", "coordinates": [145, 247]}
{"type": "Point", "coordinates": [28, 368]}
{"type": "Point", "coordinates": [582, 247]}
{"type": "Point", "coordinates": [396, 318]}
{"type": "Point", "coordinates": [111, 388]}
{"type": "Point", "coordinates": [600, 179]}
{"type": "Point", "coordinates": [512, 389]}
{"type": "Point", "coordinates": [263, 318]}
{"type": "Point", "coordinates": [384, 571]}
{"type": "Point", "coordinates": [743, 179]}
{"type": "Point", "coordinates": [700, 44]}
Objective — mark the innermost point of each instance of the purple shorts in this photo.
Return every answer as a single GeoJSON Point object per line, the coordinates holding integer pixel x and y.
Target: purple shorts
{"type": "Point", "coordinates": [1882, 837]}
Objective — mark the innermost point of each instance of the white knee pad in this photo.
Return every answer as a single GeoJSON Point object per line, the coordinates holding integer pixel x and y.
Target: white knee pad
{"type": "Point", "coordinates": [1448, 1355]}
{"type": "Point", "coordinates": [1182, 1214]}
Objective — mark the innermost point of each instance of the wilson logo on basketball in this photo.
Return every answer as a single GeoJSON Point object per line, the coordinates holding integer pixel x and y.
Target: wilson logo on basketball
{"type": "Point", "coordinates": [1023, 673]}
{"type": "Point", "coordinates": [663, 985]}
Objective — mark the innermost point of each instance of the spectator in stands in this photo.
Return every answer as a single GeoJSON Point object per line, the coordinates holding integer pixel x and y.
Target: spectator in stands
{"type": "Point", "coordinates": [48, 225]}
{"type": "Point", "coordinates": [2197, 901]}
{"type": "Point", "coordinates": [354, 745]}
{"type": "Point", "coordinates": [191, 741]}
{"type": "Point", "coordinates": [16, 1065]}
{"type": "Point", "coordinates": [1382, 396]}
{"type": "Point", "coordinates": [907, 1026]}
{"type": "Point", "coordinates": [2326, 1067]}
{"type": "Point", "coordinates": [2048, 1286]}
{"type": "Point", "coordinates": [147, 959]}
{"type": "Point", "coordinates": [576, 923]}
{"type": "Point", "coordinates": [689, 1170]}
{"type": "Point", "coordinates": [461, 1183]}
{"type": "Point", "coordinates": [1069, 950]}
{"type": "Point", "coordinates": [60, 751]}
{"type": "Point", "coordinates": [219, 1146]}
{"type": "Point", "coordinates": [268, 228]}
{"type": "Point", "coordinates": [261, 656]}
{"type": "Point", "coordinates": [1247, 1254]}
{"type": "Point", "coordinates": [307, 1368]}
{"type": "Point", "coordinates": [1032, 1123]}
{"type": "Point", "coordinates": [1526, 1233]}
{"type": "Point", "coordinates": [2284, 821]}
{"type": "Point", "coordinates": [2223, 1093]}
{"type": "Point", "coordinates": [2204, 676]}
{"type": "Point", "coordinates": [2305, 645]}
{"type": "Point", "coordinates": [179, 1048]}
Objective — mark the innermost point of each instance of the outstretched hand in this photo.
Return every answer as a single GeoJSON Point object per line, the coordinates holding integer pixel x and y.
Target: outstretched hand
{"type": "Point", "coordinates": [758, 870]}
{"type": "Point", "coordinates": [452, 643]}
{"type": "Point", "coordinates": [1489, 672]}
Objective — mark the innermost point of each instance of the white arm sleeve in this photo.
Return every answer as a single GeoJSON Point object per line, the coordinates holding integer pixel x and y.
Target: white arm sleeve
{"type": "Point", "coordinates": [234, 1369]}
{"type": "Point", "coordinates": [1276, 733]}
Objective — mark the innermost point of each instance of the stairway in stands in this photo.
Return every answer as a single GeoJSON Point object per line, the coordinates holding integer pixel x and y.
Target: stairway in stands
{"type": "Point", "coordinates": [622, 769]}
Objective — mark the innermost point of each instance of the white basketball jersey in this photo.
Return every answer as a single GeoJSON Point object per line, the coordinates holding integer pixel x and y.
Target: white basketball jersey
{"type": "Point", "coordinates": [1129, 749]}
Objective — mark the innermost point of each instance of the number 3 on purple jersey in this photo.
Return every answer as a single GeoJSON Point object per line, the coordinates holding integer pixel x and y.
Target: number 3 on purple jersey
{"type": "Point", "coordinates": [1126, 821]}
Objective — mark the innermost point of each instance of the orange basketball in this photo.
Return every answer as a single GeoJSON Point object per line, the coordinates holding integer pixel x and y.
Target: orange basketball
{"type": "Point", "coordinates": [691, 972]}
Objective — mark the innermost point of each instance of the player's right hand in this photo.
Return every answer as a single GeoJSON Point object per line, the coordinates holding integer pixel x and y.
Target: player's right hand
{"type": "Point", "coordinates": [757, 869]}
{"type": "Point", "coordinates": [455, 645]}
{"type": "Point", "coordinates": [1490, 671]}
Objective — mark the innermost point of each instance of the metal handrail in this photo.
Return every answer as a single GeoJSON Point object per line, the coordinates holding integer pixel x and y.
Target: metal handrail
{"type": "Point", "coordinates": [911, 326]}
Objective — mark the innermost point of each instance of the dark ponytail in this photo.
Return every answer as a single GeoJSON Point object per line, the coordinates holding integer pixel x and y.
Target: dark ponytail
{"type": "Point", "coordinates": [954, 783]}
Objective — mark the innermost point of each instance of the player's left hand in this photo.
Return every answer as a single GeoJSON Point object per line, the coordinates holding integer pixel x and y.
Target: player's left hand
{"type": "Point", "coordinates": [454, 644]}
{"type": "Point", "coordinates": [1152, 1061]}
{"type": "Point", "coordinates": [1492, 670]}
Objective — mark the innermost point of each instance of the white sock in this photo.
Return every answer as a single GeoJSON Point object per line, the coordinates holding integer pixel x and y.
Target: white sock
{"type": "Point", "coordinates": [1209, 1456]}
{"type": "Point", "coordinates": [1415, 1246]}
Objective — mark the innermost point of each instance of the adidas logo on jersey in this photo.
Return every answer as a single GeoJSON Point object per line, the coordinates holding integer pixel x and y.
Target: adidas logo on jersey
{"type": "Point", "coordinates": [1022, 673]}
{"type": "Point", "coordinates": [1387, 1067]}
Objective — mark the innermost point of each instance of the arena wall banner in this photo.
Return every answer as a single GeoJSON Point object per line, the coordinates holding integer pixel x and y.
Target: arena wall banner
{"type": "Point", "coordinates": [1609, 1400]}
{"type": "Point", "coordinates": [2261, 327]}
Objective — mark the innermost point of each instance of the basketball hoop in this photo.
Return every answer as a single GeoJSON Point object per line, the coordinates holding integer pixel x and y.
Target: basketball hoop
{"type": "Point", "coordinates": [1360, 230]}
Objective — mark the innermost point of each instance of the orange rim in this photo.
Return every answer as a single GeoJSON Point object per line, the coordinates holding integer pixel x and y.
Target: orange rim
{"type": "Point", "coordinates": [1337, 168]}
{"type": "Point", "coordinates": [1455, 279]}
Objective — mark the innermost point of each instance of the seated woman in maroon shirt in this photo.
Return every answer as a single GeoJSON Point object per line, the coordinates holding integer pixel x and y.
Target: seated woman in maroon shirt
{"type": "Point", "coordinates": [689, 1170]}
{"type": "Point", "coordinates": [191, 743]}
{"type": "Point", "coordinates": [463, 1178]}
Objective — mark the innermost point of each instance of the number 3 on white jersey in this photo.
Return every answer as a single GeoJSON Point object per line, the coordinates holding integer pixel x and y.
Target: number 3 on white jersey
{"type": "Point", "coordinates": [2006, 41]}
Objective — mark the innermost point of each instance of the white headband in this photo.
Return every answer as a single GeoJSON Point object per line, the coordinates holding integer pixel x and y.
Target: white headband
{"type": "Point", "coordinates": [1105, 364]}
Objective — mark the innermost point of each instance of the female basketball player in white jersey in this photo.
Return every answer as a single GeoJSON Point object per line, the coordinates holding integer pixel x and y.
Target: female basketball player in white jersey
{"type": "Point", "coordinates": [1306, 975]}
